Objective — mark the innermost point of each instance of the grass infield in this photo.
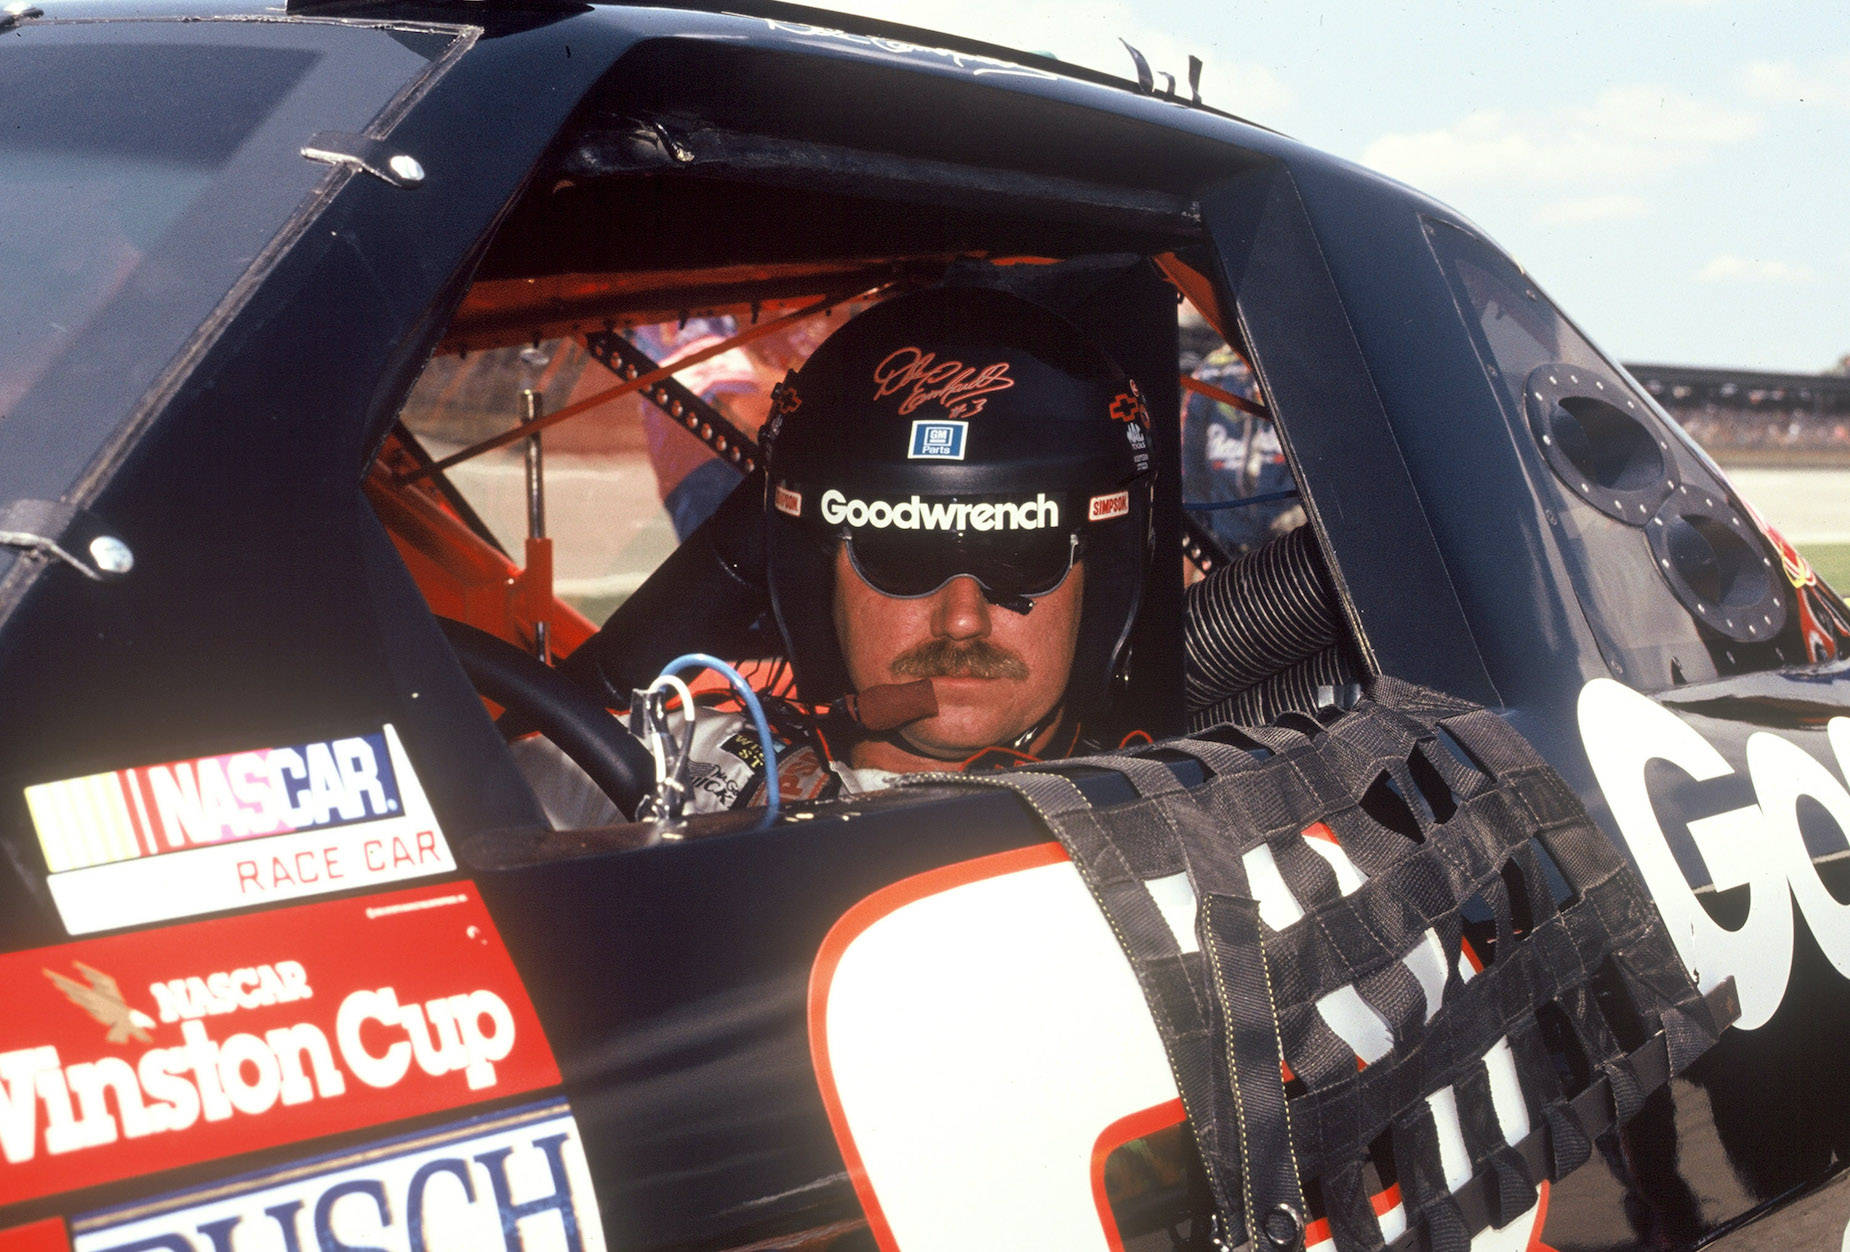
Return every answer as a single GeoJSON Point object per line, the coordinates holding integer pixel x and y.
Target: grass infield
{"type": "Point", "coordinates": [1832, 561]}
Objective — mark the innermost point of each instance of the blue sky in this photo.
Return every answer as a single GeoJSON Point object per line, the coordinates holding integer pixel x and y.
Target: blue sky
{"type": "Point", "coordinates": [1675, 172]}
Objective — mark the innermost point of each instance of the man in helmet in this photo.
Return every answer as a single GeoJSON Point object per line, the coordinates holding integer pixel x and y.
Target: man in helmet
{"type": "Point", "coordinates": [957, 523]}
{"type": "Point", "coordinates": [957, 495]}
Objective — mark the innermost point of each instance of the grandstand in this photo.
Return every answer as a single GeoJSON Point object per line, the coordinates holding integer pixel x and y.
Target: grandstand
{"type": "Point", "coordinates": [1751, 415]}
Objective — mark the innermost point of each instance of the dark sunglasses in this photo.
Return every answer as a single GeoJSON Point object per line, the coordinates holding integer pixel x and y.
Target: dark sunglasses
{"type": "Point", "coordinates": [1012, 568]}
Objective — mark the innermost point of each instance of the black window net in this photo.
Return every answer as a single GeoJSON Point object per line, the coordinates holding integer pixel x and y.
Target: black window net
{"type": "Point", "coordinates": [1457, 824]}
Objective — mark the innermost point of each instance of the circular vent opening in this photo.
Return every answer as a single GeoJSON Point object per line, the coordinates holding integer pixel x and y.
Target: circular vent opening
{"type": "Point", "coordinates": [1717, 565]}
{"type": "Point", "coordinates": [1592, 432]}
{"type": "Point", "coordinates": [1605, 446]}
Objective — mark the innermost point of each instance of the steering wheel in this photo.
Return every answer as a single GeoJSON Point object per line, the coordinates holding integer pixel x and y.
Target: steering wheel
{"type": "Point", "coordinates": [571, 717]}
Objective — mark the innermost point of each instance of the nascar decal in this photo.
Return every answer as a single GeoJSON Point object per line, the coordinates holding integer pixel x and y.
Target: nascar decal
{"type": "Point", "coordinates": [510, 1180]}
{"type": "Point", "coordinates": [181, 1045]}
{"type": "Point", "coordinates": [944, 1012]}
{"type": "Point", "coordinates": [187, 837]}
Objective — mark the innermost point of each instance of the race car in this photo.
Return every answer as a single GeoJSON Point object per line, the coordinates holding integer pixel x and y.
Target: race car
{"type": "Point", "coordinates": [293, 957]}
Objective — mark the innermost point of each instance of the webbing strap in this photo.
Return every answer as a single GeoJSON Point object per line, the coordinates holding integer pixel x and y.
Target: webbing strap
{"type": "Point", "coordinates": [1272, 1196]}
{"type": "Point", "coordinates": [1438, 806]}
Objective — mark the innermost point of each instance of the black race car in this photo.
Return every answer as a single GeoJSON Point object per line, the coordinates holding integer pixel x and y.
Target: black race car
{"type": "Point", "coordinates": [293, 957]}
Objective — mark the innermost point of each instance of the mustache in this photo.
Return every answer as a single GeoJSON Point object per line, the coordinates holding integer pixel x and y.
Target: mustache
{"type": "Point", "coordinates": [952, 658]}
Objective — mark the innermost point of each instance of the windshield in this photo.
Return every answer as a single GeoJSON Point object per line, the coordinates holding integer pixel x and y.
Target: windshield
{"type": "Point", "coordinates": [144, 168]}
{"type": "Point", "coordinates": [92, 178]}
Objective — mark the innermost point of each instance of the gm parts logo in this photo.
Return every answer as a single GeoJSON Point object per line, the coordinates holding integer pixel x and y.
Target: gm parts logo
{"type": "Point", "coordinates": [316, 1020]}
{"type": "Point", "coordinates": [937, 440]}
{"type": "Point", "coordinates": [916, 514]}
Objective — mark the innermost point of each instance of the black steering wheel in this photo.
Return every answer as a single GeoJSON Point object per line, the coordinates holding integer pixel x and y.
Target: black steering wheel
{"type": "Point", "coordinates": [559, 708]}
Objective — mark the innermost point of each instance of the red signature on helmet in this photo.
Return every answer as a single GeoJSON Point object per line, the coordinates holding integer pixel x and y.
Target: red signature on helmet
{"type": "Point", "coordinates": [958, 387]}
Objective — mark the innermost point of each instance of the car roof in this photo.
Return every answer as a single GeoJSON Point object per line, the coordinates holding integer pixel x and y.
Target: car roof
{"type": "Point", "coordinates": [492, 13]}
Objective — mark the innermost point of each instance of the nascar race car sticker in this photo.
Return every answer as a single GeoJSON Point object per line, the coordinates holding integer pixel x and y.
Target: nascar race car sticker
{"type": "Point", "coordinates": [516, 1179]}
{"type": "Point", "coordinates": [170, 1047]}
{"type": "Point", "coordinates": [183, 838]}
{"type": "Point", "coordinates": [943, 1015]}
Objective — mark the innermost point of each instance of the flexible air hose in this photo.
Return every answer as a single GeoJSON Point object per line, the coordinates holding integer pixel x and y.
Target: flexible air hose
{"type": "Point", "coordinates": [1256, 616]}
{"type": "Point", "coordinates": [1294, 688]}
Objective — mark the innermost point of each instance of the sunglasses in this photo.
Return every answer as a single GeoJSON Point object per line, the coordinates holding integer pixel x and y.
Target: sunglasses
{"type": "Point", "coordinates": [1011, 568]}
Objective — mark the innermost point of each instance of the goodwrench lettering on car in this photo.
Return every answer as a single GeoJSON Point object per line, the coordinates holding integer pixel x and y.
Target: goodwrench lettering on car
{"type": "Point", "coordinates": [1757, 846]}
{"type": "Point", "coordinates": [155, 842]}
{"type": "Point", "coordinates": [384, 1007]}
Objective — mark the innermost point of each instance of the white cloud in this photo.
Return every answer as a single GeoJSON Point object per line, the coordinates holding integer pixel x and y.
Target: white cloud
{"type": "Point", "coordinates": [1624, 135]}
{"type": "Point", "coordinates": [1086, 32]}
{"type": "Point", "coordinates": [1582, 209]}
{"type": "Point", "coordinates": [1729, 268]}
{"type": "Point", "coordinates": [1782, 82]}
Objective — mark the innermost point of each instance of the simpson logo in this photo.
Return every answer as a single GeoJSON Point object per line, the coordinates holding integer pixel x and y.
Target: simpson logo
{"type": "Point", "coordinates": [937, 441]}
{"type": "Point", "coordinates": [1104, 508]}
{"type": "Point", "coordinates": [196, 1042]}
{"type": "Point", "coordinates": [510, 1180]}
{"type": "Point", "coordinates": [788, 501]}
{"type": "Point", "coordinates": [917, 514]}
{"type": "Point", "coordinates": [962, 390]}
{"type": "Point", "coordinates": [162, 841]}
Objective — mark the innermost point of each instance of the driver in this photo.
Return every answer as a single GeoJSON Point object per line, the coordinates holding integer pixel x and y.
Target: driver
{"type": "Point", "coordinates": [957, 523]}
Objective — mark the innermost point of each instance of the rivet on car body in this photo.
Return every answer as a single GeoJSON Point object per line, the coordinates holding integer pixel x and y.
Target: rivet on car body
{"type": "Point", "coordinates": [407, 168]}
{"type": "Point", "coordinates": [111, 555]}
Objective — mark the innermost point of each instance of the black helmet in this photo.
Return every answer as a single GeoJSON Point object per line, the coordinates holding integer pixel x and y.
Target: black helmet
{"type": "Point", "coordinates": [960, 430]}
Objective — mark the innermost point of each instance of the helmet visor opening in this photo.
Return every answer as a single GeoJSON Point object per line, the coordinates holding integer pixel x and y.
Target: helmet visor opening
{"type": "Point", "coordinates": [910, 564]}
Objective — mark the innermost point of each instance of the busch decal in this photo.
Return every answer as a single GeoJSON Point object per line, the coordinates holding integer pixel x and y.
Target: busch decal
{"type": "Point", "coordinates": [516, 1179]}
{"type": "Point", "coordinates": [195, 1042]}
{"type": "Point", "coordinates": [189, 837]}
{"type": "Point", "coordinates": [960, 389]}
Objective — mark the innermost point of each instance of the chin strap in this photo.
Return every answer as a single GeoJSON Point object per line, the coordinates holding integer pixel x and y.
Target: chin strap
{"type": "Point", "coordinates": [1025, 740]}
